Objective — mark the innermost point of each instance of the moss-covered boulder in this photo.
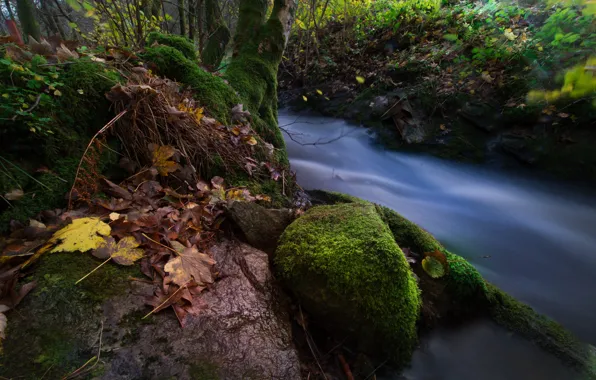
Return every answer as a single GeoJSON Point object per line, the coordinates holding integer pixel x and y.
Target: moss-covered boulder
{"type": "Point", "coordinates": [462, 293]}
{"type": "Point", "coordinates": [180, 43]}
{"type": "Point", "coordinates": [343, 265]}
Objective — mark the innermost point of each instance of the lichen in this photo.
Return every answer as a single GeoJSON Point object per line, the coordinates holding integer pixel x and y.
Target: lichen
{"type": "Point", "coordinates": [48, 332]}
{"type": "Point", "coordinates": [345, 268]}
{"type": "Point", "coordinates": [180, 43]}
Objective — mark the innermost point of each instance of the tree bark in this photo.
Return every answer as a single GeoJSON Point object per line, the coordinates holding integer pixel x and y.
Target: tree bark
{"type": "Point", "coordinates": [191, 19]}
{"type": "Point", "coordinates": [218, 35]}
{"type": "Point", "coordinates": [26, 13]}
{"type": "Point", "coordinates": [181, 17]}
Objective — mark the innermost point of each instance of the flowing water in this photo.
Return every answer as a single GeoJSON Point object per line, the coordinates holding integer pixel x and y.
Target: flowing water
{"type": "Point", "coordinates": [532, 238]}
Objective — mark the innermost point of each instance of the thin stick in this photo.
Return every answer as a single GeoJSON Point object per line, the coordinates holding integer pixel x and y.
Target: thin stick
{"type": "Point", "coordinates": [309, 346]}
{"type": "Point", "coordinates": [164, 302]}
{"type": "Point", "coordinates": [103, 129]}
{"type": "Point", "coordinates": [79, 369]}
{"type": "Point", "coordinates": [96, 268]}
{"type": "Point", "coordinates": [24, 172]}
{"type": "Point", "coordinates": [6, 200]}
{"type": "Point", "coordinates": [158, 243]}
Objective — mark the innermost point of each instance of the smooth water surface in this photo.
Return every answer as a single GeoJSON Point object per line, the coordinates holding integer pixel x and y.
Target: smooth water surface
{"type": "Point", "coordinates": [534, 239]}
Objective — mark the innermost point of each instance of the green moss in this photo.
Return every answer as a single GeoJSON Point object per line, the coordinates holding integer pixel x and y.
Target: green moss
{"type": "Point", "coordinates": [211, 91]}
{"type": "Point", "coordinates": [37, 197]}
{"type": "Point", "coordinates": [343, 264]}
{"type": "Point", "coordinates": [48, 333]}
{"type": "Point", "coordinates": [204, 370]}
{"type": "Point", "coordinates": [180, 43]}
{"type": "Point", "coordinates": [89, 111]}
{"type": "Point", "coordinates": [464, 282]}
{"type": "Point", "coordinates": [332, 197]}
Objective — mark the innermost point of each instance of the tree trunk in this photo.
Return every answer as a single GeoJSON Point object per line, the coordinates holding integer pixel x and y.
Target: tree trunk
{"type": "Point", "coordinates": [258, 49]}
{"type": "Point", "coordinates": [26, 13]}
{"type": "Point", "coordinates": [181, 17]}
{"type": "Point", "coordinates": [191, 19]}
{"type": "Point", "coordinates": [218, 35]}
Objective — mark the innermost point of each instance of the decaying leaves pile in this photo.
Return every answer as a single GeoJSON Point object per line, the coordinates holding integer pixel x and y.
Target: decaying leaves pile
{"type": "Point", "coordinates": [167, 232]}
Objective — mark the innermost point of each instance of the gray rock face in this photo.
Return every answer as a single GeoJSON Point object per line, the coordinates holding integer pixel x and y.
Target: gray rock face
{"type": "Point", "coordinates": [243, 331]}
{"type": "Point", "coordinates": [243, 334]}
{"type": "Point", "coordinates": [262, 227]}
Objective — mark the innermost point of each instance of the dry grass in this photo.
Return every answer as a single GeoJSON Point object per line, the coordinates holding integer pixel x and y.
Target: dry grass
{"type": "Point", "coordinates": [160, 113]}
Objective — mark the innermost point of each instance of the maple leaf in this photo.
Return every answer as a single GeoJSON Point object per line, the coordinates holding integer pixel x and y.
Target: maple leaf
{"type": "Point", "coordinates": [82, 234]}
{"type": "Point", "coordinates": [190, 265]}
{"type": "Point", "coordinates": [161, 159]}
{"type": "Point", "coordinates": [125, 252]}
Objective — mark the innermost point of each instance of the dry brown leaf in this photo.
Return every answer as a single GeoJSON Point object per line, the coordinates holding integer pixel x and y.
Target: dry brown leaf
{"type": "Point", "coordinates": [190, 265]}
{"type": "Point", "coordinates": [14, 195]}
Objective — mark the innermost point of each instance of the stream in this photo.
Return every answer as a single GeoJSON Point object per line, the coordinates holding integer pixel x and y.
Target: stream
{"type": "Point", "coordinates": [533, 238]}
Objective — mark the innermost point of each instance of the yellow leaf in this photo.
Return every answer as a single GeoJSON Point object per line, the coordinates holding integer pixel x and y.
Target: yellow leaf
{"type": "Point", "coordinates": [250, 140]}
{"type": "Point", "coordinates": [80, 91]}
{"type": "Point", "coordinates": [57, 93]}
{"type": "Point", "coordinates": [5, 96]}
{"type": "Point", "coordinates": [125, 252]}
{"type": "Point", "coordinates": [360, 79]}
{"type": "Point", "coordinates": [198, 114]}
{"type": "Point", "coordinates": [161, 160]}
{"type": "Point", "coordinates": [82, 235]}
{"type": "Point", "coordinates": [305, 98]}
{"type": "Point", "coordinates": [319, 92]}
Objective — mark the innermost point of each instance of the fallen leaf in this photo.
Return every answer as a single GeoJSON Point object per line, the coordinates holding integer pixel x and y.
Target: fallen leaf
{"type": "Point", "coordinates": [360, 79]}
{"type": "Point", "coordinates": [189, 266]}
{"type": "Point", "coordinates": [81, 235]}
{"type": "Point", "coordinates": [14, 195]}
{"type": "Point", "coordinates": [114, 216]}
{"type": "Point", "coordinates": [161, 160]}
{"type": "Point", "coordinates": [435, 264]}
{"type": "Point", "coordinates": [250, 140]}
{"type": "Point", "coordinates": [125, 252]}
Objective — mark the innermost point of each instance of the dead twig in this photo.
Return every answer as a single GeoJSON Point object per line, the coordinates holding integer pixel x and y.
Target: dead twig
{"type": "Point", "coordinates": [309, 345]}
{"type": "Point", "coordinates": [102, 130]}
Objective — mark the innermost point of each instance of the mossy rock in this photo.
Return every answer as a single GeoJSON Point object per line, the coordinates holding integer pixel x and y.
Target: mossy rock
{"type": "Point", "coordinates": [52, 330]}
{"type": "Point", "coordinates": [343, 265]}
{"type": "Point", "coordinates": [180, 43]}
{"type": "Point", "coordinates": [465, 294]}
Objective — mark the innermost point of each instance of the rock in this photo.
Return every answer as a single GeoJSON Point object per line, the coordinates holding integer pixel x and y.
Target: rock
{"type": "Point", "coordinates": [243, 332]}
{"type": "Point", "coordinates": [464, 294]}
{"type": "Point", "coordinates": [461, 294]}
{"type": "Point", "coordinates": [517, 147]}
{"type": "Point", "coordinates": [262, 227]}
{"type": "Point", "coordinates": [343, 265]}
{"type": "Point", "coordinates": [481, 115]}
